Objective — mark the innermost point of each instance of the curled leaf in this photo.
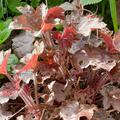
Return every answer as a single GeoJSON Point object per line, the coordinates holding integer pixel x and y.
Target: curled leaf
{"type": "Point", "coordinates": [31, 64]}
{"type": "Point", "coordinates": [4, 60]}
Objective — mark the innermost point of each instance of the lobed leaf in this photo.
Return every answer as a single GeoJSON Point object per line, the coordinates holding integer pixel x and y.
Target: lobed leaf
{"type": "Point", "coordinates": [30, 20]}
{"type": "Point", "coordinates": [89, 23]}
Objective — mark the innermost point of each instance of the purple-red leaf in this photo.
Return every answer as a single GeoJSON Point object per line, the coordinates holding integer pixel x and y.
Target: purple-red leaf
{"type": "Point", "coordinates": [55, 12]}
{"type": "Point", "coordinates": [109, 42]}
{"type": "Point", "coordinates": [66, 38]}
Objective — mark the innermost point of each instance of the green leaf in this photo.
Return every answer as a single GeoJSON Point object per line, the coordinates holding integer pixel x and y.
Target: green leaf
{"type": "Point", "coordinates": [4, 24]}
{"type": "Point", "coordinates": [59, 27]}
{"type": "Point", "coordinates": [52, 3]}
{"type": "Point", "coordinates": [35, 3]}
{"type": "Point", "coordinates": [12, 4]}
{"type": "Point", "coordinates": [4, 34]}
{"type": "Point", "coordinates": [13, 60]}
{"type": "Point", "coordinates": [4, 30]}
{"type": "Point", "coordinates": [89, 2]}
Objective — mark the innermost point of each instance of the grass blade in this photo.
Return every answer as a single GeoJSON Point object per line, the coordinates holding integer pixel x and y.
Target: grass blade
{"type": "Point", "coordinates": [114, 14]}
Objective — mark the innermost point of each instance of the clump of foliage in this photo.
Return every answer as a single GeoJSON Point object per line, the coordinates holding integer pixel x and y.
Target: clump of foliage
{"type": "Point", "coordinates": [68, 69]}
{"type": "Point", "coordinates": [8, 9]}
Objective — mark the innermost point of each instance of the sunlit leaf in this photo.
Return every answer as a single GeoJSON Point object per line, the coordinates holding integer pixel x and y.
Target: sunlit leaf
{"type": "Point", "coordinates": [31, 64]}
{"type": "Point", "coordinates": [4, 34]}
{"type": "Point", "coordinates": [88, 2]}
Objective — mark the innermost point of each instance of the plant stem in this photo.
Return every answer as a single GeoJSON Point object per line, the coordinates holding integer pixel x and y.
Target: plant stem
{"type": "Point", "coordinates": [9, 77]}
{"type": "Point", "coordinates": [103, 7]}
{"type": "Point", "coordinates": [35, 91]}
{"type": "Point", "coordinates": [17, 112]}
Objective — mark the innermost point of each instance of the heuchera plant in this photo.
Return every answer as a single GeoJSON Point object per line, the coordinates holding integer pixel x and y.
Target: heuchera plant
{"type": "Point", "coordinates": [74, 66]}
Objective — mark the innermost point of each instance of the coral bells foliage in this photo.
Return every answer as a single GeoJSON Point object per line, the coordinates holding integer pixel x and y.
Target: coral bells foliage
{"type": "Point", "coordinates": [66, 38]}
{"type": "Point", "coordinates": [38, 19]}
{"type": "Point", "coordinates": [71, 70]}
